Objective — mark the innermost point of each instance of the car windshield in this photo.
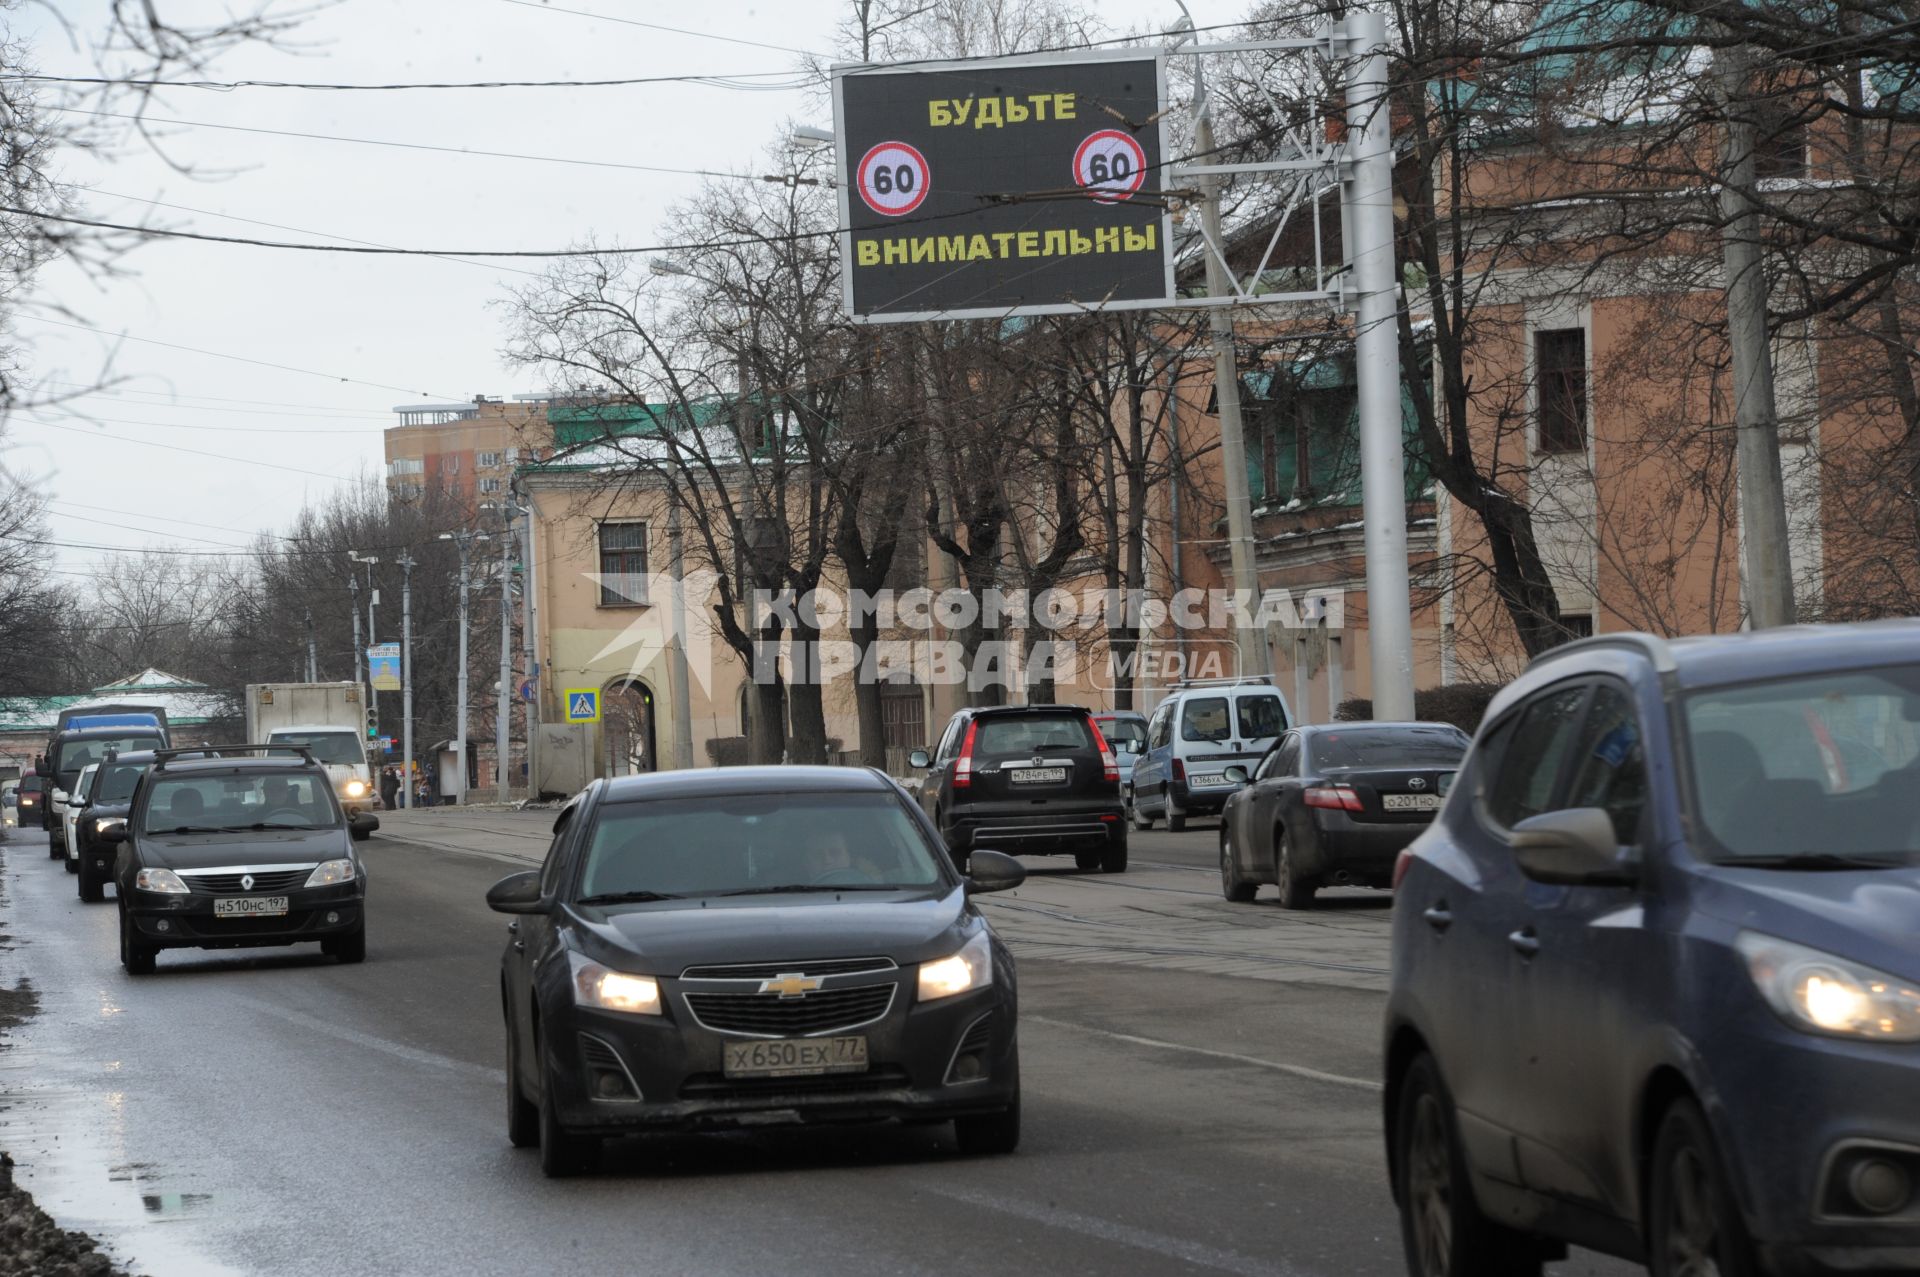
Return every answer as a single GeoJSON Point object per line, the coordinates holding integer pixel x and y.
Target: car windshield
{"type": "Point", "coordinates": [1818, 765]}
{"type": "Point", "coordinates": [337, 748]}
{"type": "Point", "coordinates": [115, 785]}
{"type": "Point", "coordinates": [1123, 729]}
{"type": "Point", "coordinates": [1024, 734]}
{"type": "Point", "coordinates": [743, 843]}
{"type": "Point", "coordinates": [70, 757]}
{"type": "Point", "coordinates": [248, 800]}
{"type": "Point", "coordinates": [1386, 747]}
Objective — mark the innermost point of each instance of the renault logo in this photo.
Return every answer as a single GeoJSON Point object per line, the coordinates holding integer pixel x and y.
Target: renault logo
{"type": "Point", "coordinates": [1416, 782]}
{"type": "Point", "coordinates": [246, 882]}
{"type": "Point", "coordinates": [790, 984]}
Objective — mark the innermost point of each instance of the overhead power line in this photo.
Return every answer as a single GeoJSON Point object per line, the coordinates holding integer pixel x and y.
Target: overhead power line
{"type": "Point", "coordinates": [216, 354]}
{"type": "Point", "coordinates": [257, 431]}
{"type": "Point", "coordinates": [405, 146]}
{"type": "Point", "coordinates": [659, 26]}
{"type": "Point", "coordinates": [307, 471]}
{"type": "Point", "coordinates": [732, 80]}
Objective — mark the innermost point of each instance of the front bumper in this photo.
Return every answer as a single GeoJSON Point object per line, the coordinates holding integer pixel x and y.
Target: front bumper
{"type": "Point", "coordinates": [1792, 1109]}
{"type": "Point", "coordinates": [676, 1064]}
{"type": "Point", "coordinates": [188, 922]}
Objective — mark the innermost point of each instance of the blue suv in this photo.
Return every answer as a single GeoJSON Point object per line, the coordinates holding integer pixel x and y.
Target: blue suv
{"type": "Point", "coordinates": [1656, 965]}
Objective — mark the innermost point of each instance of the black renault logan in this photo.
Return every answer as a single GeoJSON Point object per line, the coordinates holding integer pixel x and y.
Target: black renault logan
{"type": "Point", "coordinates": [237, 846]}
{"type": "Point", "coordinates": [753, 946]}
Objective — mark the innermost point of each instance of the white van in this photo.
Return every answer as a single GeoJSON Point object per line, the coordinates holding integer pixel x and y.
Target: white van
{"type": "Point", "coordinates": [1196, 733]}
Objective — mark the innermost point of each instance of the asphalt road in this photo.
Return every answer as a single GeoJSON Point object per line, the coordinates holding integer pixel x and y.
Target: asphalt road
{"type": "Point", "coordinates": [1199, 1097]}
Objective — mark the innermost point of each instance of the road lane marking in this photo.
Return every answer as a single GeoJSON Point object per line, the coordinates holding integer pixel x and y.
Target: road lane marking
{"type": "Point", "coordinates": [1107, 1230]}
{"type": "Point", "coordinates": [1296, 1070]}
{"type": "Point", "coordinates": [411, 1054]}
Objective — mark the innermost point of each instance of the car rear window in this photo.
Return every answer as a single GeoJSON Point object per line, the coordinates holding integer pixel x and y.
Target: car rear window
{"type": "Point", "coordinates": [1204, 718]}
{"type": "Point", "coordinates": [1387, 747]}
{"type": "Point", "coordinates": [73, 756]}
{"type": "Point", "coordinates": [756, 842]}
{"type": "Point", "coordinates": [116, 785]}
{"type": "Point", "coordinates": [1823, 763]}
{"type": "Point", "coordinates": [1018, 735]}
{"type": "Point", "coordinates": [1261, 715]}
{"type": "Point", "coordinates": [1119, 729]}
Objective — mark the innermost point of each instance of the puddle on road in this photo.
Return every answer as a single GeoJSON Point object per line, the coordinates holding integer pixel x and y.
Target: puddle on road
{"type": "Point", "coordinates": [68, 1146]}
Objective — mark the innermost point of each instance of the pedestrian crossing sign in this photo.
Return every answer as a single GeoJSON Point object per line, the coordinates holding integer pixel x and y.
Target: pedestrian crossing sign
{"type": "Point", "coordinates": [583, 704]}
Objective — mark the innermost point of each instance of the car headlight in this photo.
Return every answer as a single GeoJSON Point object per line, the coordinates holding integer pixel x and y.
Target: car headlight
{"type": "Point", "coordinates": [1821, 993]}
{"type": "Point", "coordinates": [161, 880]}
{"type": "Point", "coordinates": [610, 990]}
{"type": "Point", "coordinates": [331, 873]}
{"type": "Point", "coordinates": [971, 968]}
{"type": "Point", "coordinates": [354, 788]}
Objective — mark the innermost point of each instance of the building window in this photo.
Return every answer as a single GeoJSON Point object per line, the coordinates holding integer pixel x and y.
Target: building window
{"type": "Point", "coordinates": [903, 715]}
{"type": "Point", "coordinates": [623, 564]}
{"type": "Point", "coordinates": [405, 465]}
{"type": "Point", "coordinates": [1560, 359]}
{"type": "Point", "coordinates": [1578, 625]}
{"type": "Point", "coordinates": [1780, 142]}
{"type": "Point", "coordinates": [488, 460]}
{"type": "Point", "coordinates": [490, 485]}
{"type": "Point", "coordinates": [450, 464]}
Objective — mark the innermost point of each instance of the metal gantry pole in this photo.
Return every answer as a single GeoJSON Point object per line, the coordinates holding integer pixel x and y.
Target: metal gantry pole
{"type": "Point", "coordinates": [463, 540]}
{"type": "Point", "coordinates": [1226, 381]}
{"type": "Point", "coordinates": [313, 651]}
{"type": "Point", "coordinates": [503, 705]}
{"type": "Point", "coordinates": [1376, 279]}
{"type": "Point", "coordinates": [406, 674]}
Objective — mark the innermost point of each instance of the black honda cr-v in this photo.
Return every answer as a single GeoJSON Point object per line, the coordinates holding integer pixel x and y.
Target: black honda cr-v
{"type": "Point", "coordinates": [1026, 780]}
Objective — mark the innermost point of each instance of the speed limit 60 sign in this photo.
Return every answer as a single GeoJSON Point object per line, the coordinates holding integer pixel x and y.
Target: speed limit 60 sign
{"type": "Point", "coordinates": [1010, 186]}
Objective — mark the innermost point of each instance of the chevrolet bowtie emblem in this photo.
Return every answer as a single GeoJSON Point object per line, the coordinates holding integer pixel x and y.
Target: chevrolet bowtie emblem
{"type": "Point", "coordinates": [790, 984]}
{"type": "Point", "coordinates": [246, 882]}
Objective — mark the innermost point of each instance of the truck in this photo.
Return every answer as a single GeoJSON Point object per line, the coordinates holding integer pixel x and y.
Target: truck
{"type": "Point", "coordinates": [330, 721]}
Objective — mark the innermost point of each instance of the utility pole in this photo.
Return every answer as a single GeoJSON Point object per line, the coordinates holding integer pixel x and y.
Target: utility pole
{"type": "Point", "coordinates": [1763, 500]}
{"type": "Point", "coordinates": [677, 639]}
{"type": "Point", "coordinates": [373, 597]}
{"type": "Point", "coordinates": [406, 671]}
{"type": "Point", "coordinates": [1376, 279]}
{"type": "Point", "coordinates": [503, 706]}
{"type": "Point", "coordinates": [313, 651]}
{"type": "Point", "coordinates": [463, 541]}
{"type": "Point", "coordinates": [530, 645]}
{"type": "Point", "coordinates": [1226, 382]}
{"type": "Point", "coordinates": [359, 653]}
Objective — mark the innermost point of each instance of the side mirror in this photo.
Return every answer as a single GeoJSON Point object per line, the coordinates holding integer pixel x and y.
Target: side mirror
{"type": "Point", "coordinates": [79, 804]}
{"type": "Point", "coordinates": [1133, 746]}
{"type": "Point", "coordinates": [1573, 848]}
{"type": "Point", "coordinates": [918, 758]}
{"type": "Point", "coordinates": [516, 893]}
{"type": "Point", "coordinates": [993, 871]}
{"type": "Point", "coordinates": [362, 823]}
{"type": "Point", "coordinates": [114, 836]}
{"type": "Point", "coordinates": [1237, 774]}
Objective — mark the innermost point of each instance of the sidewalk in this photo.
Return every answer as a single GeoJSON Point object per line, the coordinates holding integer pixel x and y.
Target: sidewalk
{"type": "Point", "coordinates": [497, 832]}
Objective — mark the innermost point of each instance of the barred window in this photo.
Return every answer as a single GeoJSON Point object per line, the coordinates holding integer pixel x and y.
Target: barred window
{"type": "Point", "coordinates": [1560, 360]}
{"type": "Point", "coordinates": [623, 564]}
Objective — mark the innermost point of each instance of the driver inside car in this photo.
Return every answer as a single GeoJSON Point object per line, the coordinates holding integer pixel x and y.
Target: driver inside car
{"type": "Point", "coordinates": [829, 856]}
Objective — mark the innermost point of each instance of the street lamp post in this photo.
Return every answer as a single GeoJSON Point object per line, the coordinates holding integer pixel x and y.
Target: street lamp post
{"type": "Point", "coordinates": [463, 541]}
{"type": "Point", "coordinates": [503, 708]}
{"type": "Point", "coordinates": [406, 672]}
{"type": "Point", "coordinates": [373, 597]}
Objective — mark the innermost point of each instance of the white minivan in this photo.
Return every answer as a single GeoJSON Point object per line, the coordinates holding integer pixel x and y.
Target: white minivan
{"type": "Point", "coordinates": [1200, 729]}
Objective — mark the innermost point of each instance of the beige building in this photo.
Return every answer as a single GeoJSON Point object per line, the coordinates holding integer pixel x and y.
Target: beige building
{"type": "Point", "coordinates": [465, 450]}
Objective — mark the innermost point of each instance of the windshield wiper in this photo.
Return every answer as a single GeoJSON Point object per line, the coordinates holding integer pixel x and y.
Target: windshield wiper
{"type": "Point", "coordinates": [1814, 860]}
{"type": "Point", "coordinates": [625, 897]}
{"type": "Point", "coordinates": [234, 829]}
{"type": "Point", "coordinates": [790, 887]}
{"type": "Point", "coordinates": [193, 829]}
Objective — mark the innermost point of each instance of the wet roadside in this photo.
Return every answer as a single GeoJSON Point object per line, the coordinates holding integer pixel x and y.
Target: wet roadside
{"type": "Point", "coordinates": [31, 1244]}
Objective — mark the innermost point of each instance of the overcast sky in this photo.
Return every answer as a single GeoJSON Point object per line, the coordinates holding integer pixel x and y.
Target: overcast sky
{"type": "Point", "coordinates": [370, 332]}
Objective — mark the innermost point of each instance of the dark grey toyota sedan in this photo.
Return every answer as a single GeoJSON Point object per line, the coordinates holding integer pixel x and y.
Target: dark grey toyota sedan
{"type": "Point", "coordinates": [750, 947]}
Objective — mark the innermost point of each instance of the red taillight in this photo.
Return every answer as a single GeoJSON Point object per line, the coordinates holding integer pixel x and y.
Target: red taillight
{"type": "Point", "coordinates": [1333, 798]}
{"type": "Point", "coordinates": [1109, 765]}
{"type": "Point", "coordinates": [1179, 770]}
{"type": "Point", "coordinates": [1401, 864]}
{"type": "Point", "coordinates": [963, 765]}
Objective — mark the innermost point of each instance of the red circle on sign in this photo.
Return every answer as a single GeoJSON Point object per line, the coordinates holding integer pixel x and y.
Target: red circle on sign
{"type": "Point", "coordinates": [892, 179]}
{"type": "Point", "coordinates": [1110, 165]}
